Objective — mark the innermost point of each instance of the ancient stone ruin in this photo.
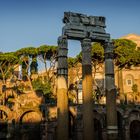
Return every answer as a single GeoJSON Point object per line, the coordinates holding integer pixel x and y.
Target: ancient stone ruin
{"type": "Point", "coordinates": [30, 118]}
{"type": "Point", "coordinates": [86, 29]}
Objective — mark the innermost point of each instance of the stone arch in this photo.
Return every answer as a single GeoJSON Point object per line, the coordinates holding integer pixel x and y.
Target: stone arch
{"type": "Point", "coordinates": [134, 115]}
{"type": "Point", "coordinates": [7, 111]}
{"type": "Point", "coordinates": [130, 115]}
{"type": "Point", "coordinates": [29, 122]}
{"type": "Point", "coordinates": [129, 76]}
{"type": "Point", "coordinates": [28, 116]}
{"type": "Point", "coordinates": [130, 111]}
{"type": "Point", "coordinates": [135, 130]}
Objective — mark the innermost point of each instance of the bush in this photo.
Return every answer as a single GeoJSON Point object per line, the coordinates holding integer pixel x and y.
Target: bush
{"type": "Point", "coordinates": [43, 87]}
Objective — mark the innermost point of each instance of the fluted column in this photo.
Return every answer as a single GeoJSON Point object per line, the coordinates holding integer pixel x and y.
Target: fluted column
{"type": "Point", "coordinates": [87, 89]}
{"type": "Point", "coordinates": [112, 129]}
{"type": "Point", "coordinates": [62, 90]}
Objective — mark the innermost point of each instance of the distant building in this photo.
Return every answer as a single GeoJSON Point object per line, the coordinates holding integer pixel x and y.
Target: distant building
{"type": "Point", "coordinates": [124, 79]}
{"type": "Point", "coordinates": [134, 37]}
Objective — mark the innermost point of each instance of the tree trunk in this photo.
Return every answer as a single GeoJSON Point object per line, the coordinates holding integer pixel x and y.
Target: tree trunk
{"type": "Point", "coordinates": [30, 82]}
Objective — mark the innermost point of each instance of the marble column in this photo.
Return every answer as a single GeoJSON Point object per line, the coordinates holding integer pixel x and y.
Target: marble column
{"type": "Point", "coordinates": [112, 129]}
{"type": "Point", "coordinates": [87, 90]}
{"type": "Point", "coordinates": [62, 90]}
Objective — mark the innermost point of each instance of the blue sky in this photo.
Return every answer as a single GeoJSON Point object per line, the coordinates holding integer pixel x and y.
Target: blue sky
{"type": "Point", "coordinates": [25, 23]}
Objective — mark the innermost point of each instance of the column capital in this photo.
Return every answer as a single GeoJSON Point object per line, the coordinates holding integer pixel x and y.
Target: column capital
{"type": "Point", "coordinates": [62, 41]}
{"type": "Point", "coordinates": [85, 41]}
{"type": "Point", "coordinates": [108, 48]}
{"type": "Point", "coordinates": [62, 68]}
{"type": "Point", "coordinates": [86, 51]}
{"type": "Point", "coordinates": [86, 45]}
{"type": "Point", "coordinates": [62, 46]}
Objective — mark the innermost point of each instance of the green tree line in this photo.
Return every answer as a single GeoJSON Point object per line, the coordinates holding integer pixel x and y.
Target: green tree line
{"type": "Point", "coordinates": [125, 56]}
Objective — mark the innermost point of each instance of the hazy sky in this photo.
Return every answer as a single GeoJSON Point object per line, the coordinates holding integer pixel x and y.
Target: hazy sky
{"type": "Point", "coordinates": [25, 23]}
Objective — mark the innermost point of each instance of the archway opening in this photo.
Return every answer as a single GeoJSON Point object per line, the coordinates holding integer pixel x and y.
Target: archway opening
{"type": "Point", "coordinates": [30, 125]}
{"type": "Point", "coordinates": [74, 70]}
{"type": "Point", "coordinates": [74, 47]}
{"type": "Point", "coordinates": [135, 130]}
{"type": "Point", "coordinates": [120, 126]}
{"type": "Point", "coordinates": [97, 130]}
{"type": "Point", "coordinates": [3, 124]}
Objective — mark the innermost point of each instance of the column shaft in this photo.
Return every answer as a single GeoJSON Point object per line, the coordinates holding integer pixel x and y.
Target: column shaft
{"type": "Point", "coordinates": [87, 90]}
{"type": "Point", "coordinates": [110, 93]}
{"type": "Point", "coordinates": [62, 97]}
